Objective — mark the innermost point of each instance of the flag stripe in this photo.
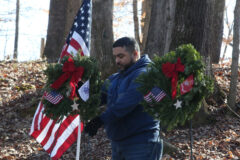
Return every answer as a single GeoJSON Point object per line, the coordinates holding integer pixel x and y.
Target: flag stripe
{"type": "Point", "coordinates": [42, 125]}
{"type": "Point", "coordinates": [77, 38]}
{"type": "Point", "coordinates": [46, 138]}
{"type": "Point", "coordinates": [160, 96]}
{"type": "Point", "coordinates": [64, 135]}
{"type": "Point", "coordinates": [65, 146]}
{"type": "Point", "coordinates": [72, 50]}
{"type": "Point", "coordinates": [75, 44]}
{"type": "Point", "coordinates": [64, 52]}
{"type": "Point", "coordinates": [41, 116]}
{"type": "Point", "coordinates": [44, 132]}
{"type": "Point", "coordinates": [35, 118]}
{"type": "Point", "coordinates": [61, 129]}
{"type": "Point", "coordinates": [52, 136]}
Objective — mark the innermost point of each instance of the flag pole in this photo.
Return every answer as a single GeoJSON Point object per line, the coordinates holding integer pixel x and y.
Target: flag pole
{"type": "Point", "coordinates": [78, 139]}
{"type": "Point", "coordinates": [191, 139]}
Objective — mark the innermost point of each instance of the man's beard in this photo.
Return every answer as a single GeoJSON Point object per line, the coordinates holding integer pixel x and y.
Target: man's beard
{"type": "Point", "coordinates": [125, 67]}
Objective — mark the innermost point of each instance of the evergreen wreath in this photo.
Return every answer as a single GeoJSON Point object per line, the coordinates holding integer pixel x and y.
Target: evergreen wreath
{"type": "Point", "coordinates": [168, 73]}
{"type": "Point", "coordinates": [88, 70]}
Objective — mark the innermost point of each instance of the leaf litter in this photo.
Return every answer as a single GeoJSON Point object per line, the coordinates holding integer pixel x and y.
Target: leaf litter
{"type": "Point", "coordinates": [21, 90]}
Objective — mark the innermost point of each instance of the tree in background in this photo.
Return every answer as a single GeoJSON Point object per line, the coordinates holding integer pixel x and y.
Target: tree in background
{"type": "Point", "coordinates": [15, 53]}
{"type": "Point", "coordinates": [235, 56]}
{"type": "Point", "coordinates": [227, 39]}
{"type": "Point", "coordinates": [61, 16]}
{"type": "Point", "coordinates": [216, 30]}
{"type": "Point", "coordinates": [196, 23]}
{"type": "Point", "coordinates": [136, 22]}
{"type": "Point", "coordinates": [160, 27]}
{"type": "Point", "coordinates": [102, 35]}
{"type": "Point", "coordinates": [177, 22]}
{"type": "Point", "coordinates": [145, 20]}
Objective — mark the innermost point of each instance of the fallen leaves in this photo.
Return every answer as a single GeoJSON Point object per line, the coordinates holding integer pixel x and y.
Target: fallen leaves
{"type": "Point", "coordinates": [20, 92]}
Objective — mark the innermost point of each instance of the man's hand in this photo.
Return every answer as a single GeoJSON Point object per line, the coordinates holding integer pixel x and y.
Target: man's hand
{"type": "Point", "coordinates": [92, 127]}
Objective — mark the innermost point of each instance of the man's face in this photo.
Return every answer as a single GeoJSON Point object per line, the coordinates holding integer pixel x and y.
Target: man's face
{"type": "Point", "coordinates": [123, 59]}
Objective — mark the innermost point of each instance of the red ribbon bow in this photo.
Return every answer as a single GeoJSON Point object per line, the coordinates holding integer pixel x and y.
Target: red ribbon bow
{"type": "Point", "coordinates": [69, 70]}
{"type": "Point", "coordinates": [171, 71]}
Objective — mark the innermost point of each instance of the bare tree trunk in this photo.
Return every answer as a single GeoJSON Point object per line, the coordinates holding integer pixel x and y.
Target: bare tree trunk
{"type": "Point", "coordinates": [160, 28]}
{"type": "Point", "coordinates": [135, 21]}
{"type": "Point", "coordinates": [235, 57]}
{"type": "Point", "coordinates": [42, 48]}
{"type": "Point", "coordinates": [174, 22]}
{"type": "Point", "coordinates": [102, 36]}
{"type": "Point", "coordinates": [15, 54]}
{"type": "Point", "coordinates": [61, 17]}
{"type": "Point", "coordinates": [229, 38]}
{"type": "Point", "coordinates": [5, 46]}
{"type": "Point", "coordinates": [199, 23]}
{"type": "Point", "coordinates": [227, 41]}
{"type": "Point", "coordinates": [216, 29]}
{"type": "Point", "coordinates": [190, 21]}
{"type": "Point", "coordinates": [145, 20]}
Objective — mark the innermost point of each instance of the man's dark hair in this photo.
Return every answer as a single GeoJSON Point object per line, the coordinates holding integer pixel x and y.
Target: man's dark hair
{"type": "Point", "coordinates": [129, 43]}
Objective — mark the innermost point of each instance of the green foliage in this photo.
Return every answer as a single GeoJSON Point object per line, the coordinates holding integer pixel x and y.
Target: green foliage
{"type": "Point", "coordinates": [88, 109]}
{"type": "Point", "coordinates": [165, 110]}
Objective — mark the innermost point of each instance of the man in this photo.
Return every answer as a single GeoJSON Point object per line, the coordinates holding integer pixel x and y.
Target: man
{"type": "Point", "coordinates": [133, 133]}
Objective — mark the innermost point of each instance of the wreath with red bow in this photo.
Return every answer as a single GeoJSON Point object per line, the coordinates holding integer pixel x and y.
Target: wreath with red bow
{"type": "Point", "coordinates": [66, 81]}
{"type": "Point", "coordinates": [175, 86]}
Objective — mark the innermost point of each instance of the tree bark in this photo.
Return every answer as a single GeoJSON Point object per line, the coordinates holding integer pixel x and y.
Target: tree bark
{"type": "Point", "coordinates": [217, 29]}
{"type": "Point", "coordinates": [145, 20]}
{"type": "Point", "coordinates": [228, 41]}
{"type": "Point", "coordinates": [102, 36]}
{"type": "Point", "coordinates": [190, 19]}
{"type": "Point", "coordinates": [160, 28]}
{"type": "Point", "coordinates": [235, 57]}
{"type": "Point", "coordinates": [135, 21]}
{"type": "Point", "coordinates": [61, 17]}
{"type": "Point", "coordinates": [199, 23]}
{"type": "Point", "coordinates": [173, 23]}
{"type": "Point", "coordinates": [15, 53]}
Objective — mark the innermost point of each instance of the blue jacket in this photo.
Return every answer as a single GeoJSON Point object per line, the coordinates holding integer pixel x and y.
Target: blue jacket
{"type": "Point", "coordinates": [124, 119]}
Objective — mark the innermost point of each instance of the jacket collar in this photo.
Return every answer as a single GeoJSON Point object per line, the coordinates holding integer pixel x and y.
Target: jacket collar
{"type": "Point", "coordinates": [143, 61]}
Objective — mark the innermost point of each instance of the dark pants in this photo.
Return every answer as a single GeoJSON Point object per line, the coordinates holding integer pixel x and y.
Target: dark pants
{"type": "Point", "coordinates": [145, 151]}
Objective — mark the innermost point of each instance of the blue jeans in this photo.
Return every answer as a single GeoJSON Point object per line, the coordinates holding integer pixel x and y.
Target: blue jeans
{"type": "Point", "coordinates": [146, 151]}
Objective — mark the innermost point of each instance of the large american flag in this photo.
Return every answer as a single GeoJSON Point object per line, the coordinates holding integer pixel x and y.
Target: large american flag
{"type": "Point", "coordinates": [55, 137]}
{"type": "Point", "coordinates": [80, 34]}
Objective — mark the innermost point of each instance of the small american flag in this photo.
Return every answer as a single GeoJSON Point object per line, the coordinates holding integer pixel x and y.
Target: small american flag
{"type": "Point", "coordinates": [53, 97]}
{"type": "Point", "coordinates": [156, 93]}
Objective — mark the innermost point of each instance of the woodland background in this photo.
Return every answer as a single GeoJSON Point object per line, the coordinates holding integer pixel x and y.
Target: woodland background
{"type": "Point", "coordinates": [159, 27]}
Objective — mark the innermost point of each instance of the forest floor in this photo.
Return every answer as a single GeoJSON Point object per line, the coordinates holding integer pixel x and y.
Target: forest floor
{"type": "Point", "coordinates": [20, 93]}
